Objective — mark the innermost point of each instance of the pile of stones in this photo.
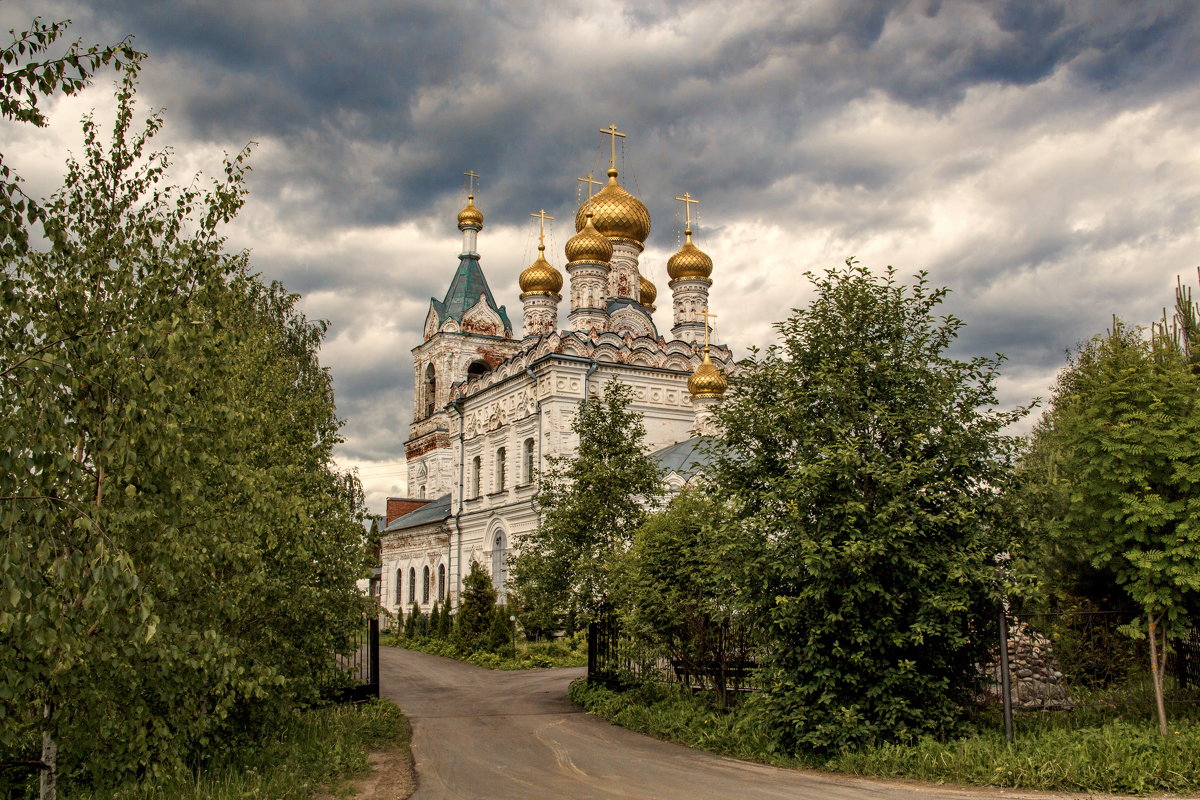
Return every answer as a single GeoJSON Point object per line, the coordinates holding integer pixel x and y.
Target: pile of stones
{"type": "Point", "coordinates": [1037, 683]}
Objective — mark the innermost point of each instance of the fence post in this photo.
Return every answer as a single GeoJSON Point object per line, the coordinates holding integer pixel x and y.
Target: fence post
{"type": "Point", "coordinates": [591, 669]}
{"type": "Point", "coordinates": [1005, 681]}
{"type": "Point", "coordinates": [373, 649]}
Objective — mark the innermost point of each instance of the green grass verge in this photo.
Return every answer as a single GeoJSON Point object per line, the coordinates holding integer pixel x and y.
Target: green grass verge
{"type": "Point", "coordinates": [570, 652]}
{"type": "Point", "coordinates": [1052, 752]}
{"type": "Point", "coordinates": [314, 749]}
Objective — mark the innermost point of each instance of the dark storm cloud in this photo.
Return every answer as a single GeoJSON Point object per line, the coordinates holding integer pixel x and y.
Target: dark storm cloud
{"type": "Point", "coordinates": [1034, 156]}
{"type": "Point", "coordinates": [432, 88]}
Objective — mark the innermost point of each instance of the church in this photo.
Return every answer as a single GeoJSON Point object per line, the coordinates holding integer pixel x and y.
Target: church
{"type": "Point", "coordinates": [491, 407]}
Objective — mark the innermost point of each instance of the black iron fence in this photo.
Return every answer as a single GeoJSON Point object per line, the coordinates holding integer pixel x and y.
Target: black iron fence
{"type": "Point", "coordinates": [1085, 668]}
{"type": "Point", "coordinates": [361, 664]}
{"type": "Point", "coordinates": [724, 666]}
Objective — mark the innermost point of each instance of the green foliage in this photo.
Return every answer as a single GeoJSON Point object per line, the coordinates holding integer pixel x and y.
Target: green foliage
{"type": "Point", "coordinates": [29, 73]}
{"type": "Point", "coordinates": [1052, 751]}
{"type": "Point", "coordinates": [500, 633]}
{"type": "Point", "coordinates": [1114, 472]}
{"type": "Point", "coordinates": [445, 624]}
{"type": "Point", "coordinates": [867, 469]}
{"type": "Point", "coordinates": [678, 589]}
{"type": "Point", "coordinates": [305, 753]}
{"type": "Point", "coordinates": [476, 609]}
{"type": "Point", "coordinates": [590, 504]}
{"type": "Point", "coordinates": [180, 550]}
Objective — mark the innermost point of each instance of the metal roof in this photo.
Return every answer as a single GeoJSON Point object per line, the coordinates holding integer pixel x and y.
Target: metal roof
{"type": "Point", "coordinates": [466, 286]}
{"type": "Point", "coordinates": [686, 458]}
{"type": "Point", "coordinates": [433, 511]}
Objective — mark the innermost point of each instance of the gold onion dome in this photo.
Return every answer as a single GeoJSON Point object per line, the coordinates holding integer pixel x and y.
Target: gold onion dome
{"type": "Point", "coordinates": [470, 216]}
{"type": "Point", "coordinates": [541, 277]}
{"type": "Point", "coordinates": [707, 380]}
{"type": "Point", "coordinates": [615, 212]}
{"type": "Point", "coordinates": [589, 244]}
{"type": "Point", "coordinates": [690, 261]}
{"type": "Point", "coordinates": [647, 293]}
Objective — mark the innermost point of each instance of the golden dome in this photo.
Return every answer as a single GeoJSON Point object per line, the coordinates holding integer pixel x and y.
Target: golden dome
{"type": "Point", "coordinates": [615, 212]}
{"type": "Point", "coordinates": [470, 216]}
{"type": "Point", "coordinates": [690, 261]}
{"type": "Point", "coordinates": [707, 380]}
{"type": "Point", "coordinates": [588, 244]}
{"type": "Point", "coordinates": [541, 277]}
{"type": "Point", "coordinates": [647, 293]}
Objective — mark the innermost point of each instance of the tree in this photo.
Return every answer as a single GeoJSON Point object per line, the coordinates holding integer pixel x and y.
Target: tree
{"type": "Point", "coordinates": [24, 82]}
{"type": "Point", "coordinates": [868, 468]}
{"type": "Point", "coordinates": [476, 609]}
{"type": "Point", "coordinates": [681, 594]}
{"type": "Point", "coordinates": [590, 503]}
{"type": "Point", "coordinates": [500, 632]}
{"type": "Point", "coordinates": [1116, 460]}
{"type": "Point", "coordinates": [180, 550]}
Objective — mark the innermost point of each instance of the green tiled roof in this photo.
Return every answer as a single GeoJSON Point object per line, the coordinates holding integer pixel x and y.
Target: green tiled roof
{"type": "Point", "coordinates": [466, 286]}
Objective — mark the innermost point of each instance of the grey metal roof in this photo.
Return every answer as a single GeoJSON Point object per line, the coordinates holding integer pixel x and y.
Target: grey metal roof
{"type": "Point", "coordinates": [433, 511]}
{"type": "Point", "coordinates": [686, 458]}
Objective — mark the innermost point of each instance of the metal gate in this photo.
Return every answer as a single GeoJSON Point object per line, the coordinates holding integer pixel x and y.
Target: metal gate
{"type": "Point", "coordinates": [362, 664]}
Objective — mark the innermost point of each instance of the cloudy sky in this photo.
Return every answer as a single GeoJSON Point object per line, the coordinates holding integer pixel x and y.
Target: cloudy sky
{"type": "Point", "coordinates": [1040, 158]}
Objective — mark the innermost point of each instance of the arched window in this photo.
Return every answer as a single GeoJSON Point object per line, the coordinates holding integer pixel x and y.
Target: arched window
{"type": "Point", "coordinates": [476, 472]}
{"type": "Point", "coordinates": [421, 492]}
{"type": "Point", "coordinates": [477, 368]}
{"type": "Point", "coordinates": [430, 390]}
{"type": "Point", "coordinates": [501, 458]}
{"type": "Point", "coordinates": [399, 586]}
{"type": "Point", "coordinates": [499, 562]}
{"type": "Point", "coordinates": [412, 585]}
{"type": "Point", "coordinates": [425, 586]}
{"type": "Point", "coordinates": [528, 460]}
{"type": "Point", "coordinates": [442, 582]}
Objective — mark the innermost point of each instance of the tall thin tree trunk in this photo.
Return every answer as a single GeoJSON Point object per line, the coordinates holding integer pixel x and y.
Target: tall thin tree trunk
{"type": "Point", "coordinates": [1157, 666]}
{"type": "Point", "coordinates": [48, 789]}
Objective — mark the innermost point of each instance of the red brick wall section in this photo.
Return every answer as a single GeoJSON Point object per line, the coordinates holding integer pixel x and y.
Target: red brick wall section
{"type": "Point", "coordinates": [399, 506]}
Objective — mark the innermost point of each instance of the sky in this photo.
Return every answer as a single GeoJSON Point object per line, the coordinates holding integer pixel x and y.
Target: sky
{"type": "Point", "coordinates": [1038, 158]}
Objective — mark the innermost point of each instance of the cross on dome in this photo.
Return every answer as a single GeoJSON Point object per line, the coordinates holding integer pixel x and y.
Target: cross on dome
{"type": "Point", "coordinates": [612, 131]}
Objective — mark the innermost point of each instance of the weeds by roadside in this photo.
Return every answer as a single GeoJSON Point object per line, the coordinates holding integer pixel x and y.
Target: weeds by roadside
{"type": "Point", "coordinates": [569, 652]}
{"type": "Point", "coordinates": [312, 750]}
{"type": "Point", "coordinates": [1052, 753]}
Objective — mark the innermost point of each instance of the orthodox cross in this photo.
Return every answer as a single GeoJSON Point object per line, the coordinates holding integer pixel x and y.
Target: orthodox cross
{"type": "Point", "coordinates": [707, 316]}
{"type": "Point", "coordinates": [541, 215]}
{"type": "Point", "coordinates": [614, 133]}
{"type": "Point", "coordinates": [471, 178]}
{"type": "Point", "coordinates": [688, 201]}
{"type": "Point", "coordinates": [590, 182]}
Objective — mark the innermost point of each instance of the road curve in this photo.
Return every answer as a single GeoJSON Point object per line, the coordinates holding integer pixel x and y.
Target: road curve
{"type": "Point", "coordinates": [490, 735]}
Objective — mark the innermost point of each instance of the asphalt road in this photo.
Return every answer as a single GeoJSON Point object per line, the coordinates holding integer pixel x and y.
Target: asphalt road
{"type": "Point", "coordinates": [490, 735]}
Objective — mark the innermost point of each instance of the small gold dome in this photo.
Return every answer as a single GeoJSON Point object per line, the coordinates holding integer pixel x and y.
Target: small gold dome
{"type": "Point", "coordinates": [707, 380]}
{"type": "Point", "coordinates": [589, 244]}
{"type": "Point", "coordinates": [541, 277]}
{"type": "Point", "coordinates": [647, 293]}
{"type": "Point", "coordinates": [470, 216]}
{"type": "Point", "coordinates": [690, 261]}
{"type": "Point", "coordinates": [615, 212]}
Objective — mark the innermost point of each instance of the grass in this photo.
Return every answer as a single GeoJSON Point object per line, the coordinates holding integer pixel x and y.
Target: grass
{"type": "Point", "coordinates": [314, 749]}
{"type": "Point", "coordinates": [569, 652]}
{"type": "Point", "coordinates": [1093, 749]}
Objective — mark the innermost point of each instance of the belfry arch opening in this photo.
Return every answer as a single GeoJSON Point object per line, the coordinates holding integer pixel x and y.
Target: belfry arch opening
{"type": "Point", "coordinates": [430, 390]}
{"type": "Point", "coordinates": [478, 367]}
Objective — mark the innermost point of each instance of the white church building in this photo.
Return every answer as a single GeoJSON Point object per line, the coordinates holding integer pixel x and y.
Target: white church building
{"type": "Point", "coordinates": [491, 407]}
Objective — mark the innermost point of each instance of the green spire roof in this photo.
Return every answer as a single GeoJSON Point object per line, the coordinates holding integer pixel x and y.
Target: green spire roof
{"type": "Point", "coordinates": [466, 286]}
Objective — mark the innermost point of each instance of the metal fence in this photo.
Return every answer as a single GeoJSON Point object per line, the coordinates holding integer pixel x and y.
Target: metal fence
{"type": "Point", "coordinates": [1083, 662]}
{"type": "Point", "coordinates": [361, 664]}
{"type": "Point", "coordinates": [727, 668]}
